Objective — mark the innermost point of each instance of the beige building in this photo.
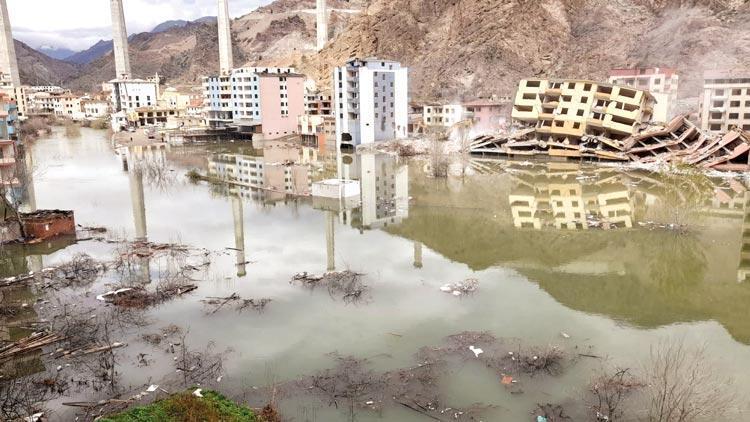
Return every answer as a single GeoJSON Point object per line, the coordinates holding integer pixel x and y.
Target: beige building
{"type": "Point", "coordinates": [661, 82]}
{"type": "Point", "coordinates": [725, 102]}
{"type": "Point", "coordinates": [565, 110]}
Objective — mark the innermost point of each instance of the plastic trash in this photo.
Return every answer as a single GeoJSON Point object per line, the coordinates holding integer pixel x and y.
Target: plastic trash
{"type": "Point", "coordinates": [477, 351]}
{"type": "Point", "coordinates": [564, 334]}
{"type": "Point", "coordinates": [151, 388]}
{"type": "Point", "coordinates": [197, 392]}
{"type": "Point", "coordinates": [506, 380]}
{"type": "Point", "coordinates": [541, 419]}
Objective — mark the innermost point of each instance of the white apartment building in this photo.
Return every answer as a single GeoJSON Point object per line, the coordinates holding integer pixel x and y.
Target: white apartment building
{"type": "Point", "coordinates": [48, 88]}
{"type": "Point", "coordinates": [443, 115]}
{"type": "Point", "coordinates": [95, 109]}
{"type": "Point", "coordinates": [725, 102]}
{"type": "Point", "coordinates": [371, 101]}
{"type": "Point", "coordinates": [129, 94]}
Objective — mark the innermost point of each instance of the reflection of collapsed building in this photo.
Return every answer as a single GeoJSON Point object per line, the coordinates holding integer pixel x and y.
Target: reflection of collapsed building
{"type": "Point", "coordinates": [558, 199]}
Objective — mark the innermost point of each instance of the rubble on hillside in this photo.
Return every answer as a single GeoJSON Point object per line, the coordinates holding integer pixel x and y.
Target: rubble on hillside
{"type": "Point", "coordinates": [678, 142]}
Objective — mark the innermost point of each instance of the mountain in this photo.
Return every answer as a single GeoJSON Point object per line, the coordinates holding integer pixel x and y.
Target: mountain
{"type": "Point", "coordinates": [279, 35]}
{"type": "Point", "coordinates": [458, 48]}
{"type": "Point", "coordinates": [36, 68]}
{"type": "Point", "coordinates": [179, 23]}
{"type": "Point", "coordinates": [92, 53]}
{"type": "Point", "coordinates": [56, 52]}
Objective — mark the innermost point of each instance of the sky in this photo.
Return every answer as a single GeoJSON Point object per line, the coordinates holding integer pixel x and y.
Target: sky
{"type": "Point", "coordinates": [78, 24]}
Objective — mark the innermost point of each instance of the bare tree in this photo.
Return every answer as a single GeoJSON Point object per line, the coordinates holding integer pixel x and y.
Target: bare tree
{"type": "Point", "coordinates": [682, 386]}
{"type": "Point", "coordinates": [610, 391]}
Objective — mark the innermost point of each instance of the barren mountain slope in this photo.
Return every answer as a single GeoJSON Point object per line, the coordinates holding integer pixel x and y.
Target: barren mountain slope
{"type": "Point", "coordinates": [480, 47]}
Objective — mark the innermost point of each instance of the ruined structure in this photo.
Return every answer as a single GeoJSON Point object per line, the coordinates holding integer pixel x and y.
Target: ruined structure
{"type": "Point", "coordinates": [562, 112]}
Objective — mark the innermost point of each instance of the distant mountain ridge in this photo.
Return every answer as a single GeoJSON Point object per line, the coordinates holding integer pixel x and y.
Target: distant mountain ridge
{"type": "Point", "coordinates": [58, 53]}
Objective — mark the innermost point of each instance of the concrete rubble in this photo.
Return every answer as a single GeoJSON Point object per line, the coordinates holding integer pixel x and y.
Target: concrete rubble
{"type": "Point", "coordinates": [679, 142]}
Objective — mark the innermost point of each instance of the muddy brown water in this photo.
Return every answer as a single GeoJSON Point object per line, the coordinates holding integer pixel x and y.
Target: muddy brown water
{"type": "Point", "coordinates": [616, 260]}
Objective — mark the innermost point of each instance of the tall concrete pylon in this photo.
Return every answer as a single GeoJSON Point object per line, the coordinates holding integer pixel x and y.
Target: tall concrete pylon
{"type": "Point", "coordinates": [322, 23]}
{"type": "Point", "coordinates": [226, 61]}
{"type": "Point", "coordinates": [8, 62]}
{"type": "Point", "coordinates": [120, 40]}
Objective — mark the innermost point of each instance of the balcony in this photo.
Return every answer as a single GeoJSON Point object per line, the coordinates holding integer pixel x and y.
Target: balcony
{"type": "Point", "coordinates": [7, 161]}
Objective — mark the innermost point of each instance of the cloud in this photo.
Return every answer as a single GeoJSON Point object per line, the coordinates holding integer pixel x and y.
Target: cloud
{"type": "Point", "coordinates": [78, 24]}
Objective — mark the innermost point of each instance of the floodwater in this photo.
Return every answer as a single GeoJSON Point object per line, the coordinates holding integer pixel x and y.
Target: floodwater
{"type": "Point", "coordinates": [556, 247]}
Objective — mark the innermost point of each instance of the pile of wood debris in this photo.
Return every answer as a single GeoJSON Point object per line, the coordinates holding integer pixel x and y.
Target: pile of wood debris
{"type": "Point", "coordinates": [678, 142]}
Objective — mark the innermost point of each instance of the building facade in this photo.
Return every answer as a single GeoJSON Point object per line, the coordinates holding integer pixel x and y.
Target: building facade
{"type": "Point", "coordinates": [725, 103]}
{"type": "Point", "coordinates": [661, 82]}
{"type": "Point", "coordinates": [371, 101]}
{"type": "Point", "coordinates": [129, 94]}
{"type": "Point", "coordinates": [565, 110]}
{"type": "Point", "coordinates": [270, 98]}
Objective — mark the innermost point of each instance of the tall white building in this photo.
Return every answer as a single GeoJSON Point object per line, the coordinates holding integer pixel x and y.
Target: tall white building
{"type": "Point", "coordinates": [371, 101]}
{"type": "Point", "coordinates": [129, 94]}
{"type": "Point", "coordinates": [725, 103]}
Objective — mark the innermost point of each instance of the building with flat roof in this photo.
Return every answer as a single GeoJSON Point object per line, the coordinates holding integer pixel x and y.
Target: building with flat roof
{"type": "Point", "coordinates": [725, 102]}
{"type": "Point", "coordinates": [565, 110]}
{"type": "Point", "coordinates": [371, 101]}
{"type": "Point", "coordinates": [270, 99]}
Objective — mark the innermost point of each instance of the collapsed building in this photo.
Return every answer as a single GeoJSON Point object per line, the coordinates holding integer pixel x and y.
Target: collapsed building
{"type": "Point", "coordinates": [589, 120]}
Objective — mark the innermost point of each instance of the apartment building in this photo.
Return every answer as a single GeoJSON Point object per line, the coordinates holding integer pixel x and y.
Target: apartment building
{"type": "Point", "coordinates": [129, 94]}
{"type": "Point", "coordinates": [8, 139]}
{"type": "Point", "coordinates": [444, 115]}
{"type": "Point", "coordinates": [725, 102]}
{"type": "Point", "coordinates": [271, 99]}
{"type": "Point", "coordinates": [371, 101]}
{"type": "Point", "coordinates": [565, 110]}
{"type": "Point", "coordinates": [93, 109]}
{"type": "Point", "coordinates": [317, 130]}
{"type": "Point", "coordinates": [489, 115]}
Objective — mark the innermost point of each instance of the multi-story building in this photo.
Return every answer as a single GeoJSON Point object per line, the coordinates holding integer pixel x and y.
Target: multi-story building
{"type": "Point", "coordinates": [317, 130]}
{"type": "Point", "coordinates": [175, 99]}
{"type": "Point", "coordinates": [271, 99]}
{"type": "Point", "coordinates": [129, 94]}
{"type": "Point", "coordinates": [444, 115]}
{"type": "Point", "coordinates": [8, 139]}
{"type": "Point", "coordinates": [66, 105]}
{"type": "Point", "coordinates": [488, 115]}
{"type": "Point", "coordinates": [318, 103]}
{"type": "Point", "coordinates": [725, 102]}
{"type": "Point", "coordinates": [93, 109]}
{"type": "Point", "coordinates": [371, 101]}
{"type": "Point", "coordinates": [47, 88]}
{"type": "Point", "coordinates": [661, 82]}
{"type": "Point", "coordinates": [565, 110]}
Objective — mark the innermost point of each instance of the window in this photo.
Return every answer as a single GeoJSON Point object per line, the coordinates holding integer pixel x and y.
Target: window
{"type": "Point", "coordinates": [734, 104]}
{"type": "Point", "coordinates": [736, 92]}
{"type": "Point", "coordinates": [577, 125]}
{"type": "Point", "coordinates": [579, 113]}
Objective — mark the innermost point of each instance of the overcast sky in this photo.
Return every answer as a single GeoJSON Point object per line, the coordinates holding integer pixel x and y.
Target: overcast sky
{"type": "Point", "coordinates": [78, 24]}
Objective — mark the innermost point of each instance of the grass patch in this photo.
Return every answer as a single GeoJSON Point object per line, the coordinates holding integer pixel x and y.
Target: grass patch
{"type": "Point", "coordinates": [186, 407]}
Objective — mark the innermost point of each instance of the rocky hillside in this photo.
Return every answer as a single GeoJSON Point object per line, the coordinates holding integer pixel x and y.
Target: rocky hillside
{"type": "Point", "coordinates": [277, 34]}
{"type": "Point", "coordinates": [458, 48]}
{"type": "Point", "coordinates": [36, 68]}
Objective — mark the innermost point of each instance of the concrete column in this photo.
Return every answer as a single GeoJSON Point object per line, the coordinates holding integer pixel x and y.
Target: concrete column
{"type": "Point", "coordinates": [226, 61]}
{"type": "Point", "coordinates": [239, 235]}
{"type": "Point", "coordinates": [322, 23]}
{"type": "Point", "coordinates": [120, 40]}
{"type": "Point", "coordinates": [139, 205]}
{"type": "Point", "coordinates": [8, 61]}
{"type": "Point", "coordinates": [417, 255]}
{"type": "Point", "coordinates": [330, 241]}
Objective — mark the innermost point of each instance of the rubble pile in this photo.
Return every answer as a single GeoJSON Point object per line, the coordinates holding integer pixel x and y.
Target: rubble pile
{"type": "Point", "coordinates": [678, 142]}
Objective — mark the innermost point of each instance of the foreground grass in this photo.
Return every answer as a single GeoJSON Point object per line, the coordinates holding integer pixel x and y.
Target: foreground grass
{"type": "Point", "coordinates": [186, 407]}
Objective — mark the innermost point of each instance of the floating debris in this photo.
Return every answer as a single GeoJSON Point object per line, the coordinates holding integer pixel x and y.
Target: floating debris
{"type": "Point", "coordinates": [470, 285]}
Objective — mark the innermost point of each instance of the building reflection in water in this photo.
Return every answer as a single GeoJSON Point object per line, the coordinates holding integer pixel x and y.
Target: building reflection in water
{"type": "Point", "coordinates": [559, 199]}
{"type": "Point", "coordinates": [277, 172]}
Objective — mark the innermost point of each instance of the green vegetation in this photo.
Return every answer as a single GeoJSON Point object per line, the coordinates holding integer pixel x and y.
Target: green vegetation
{"type": "Point", "coordinates": [194, 176]}
{"type": "Point", "coordinates": [99, 124]}
{"type": "Point", "coordinates": [187, 407]}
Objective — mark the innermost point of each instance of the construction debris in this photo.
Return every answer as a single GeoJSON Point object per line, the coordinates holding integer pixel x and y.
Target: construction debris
{"type": "Point", "coordinates": [467, 286]}
{"type": "Point", "coordinates": [679, 142]}
{"type": "Point", "coordinates": [29, 344]}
